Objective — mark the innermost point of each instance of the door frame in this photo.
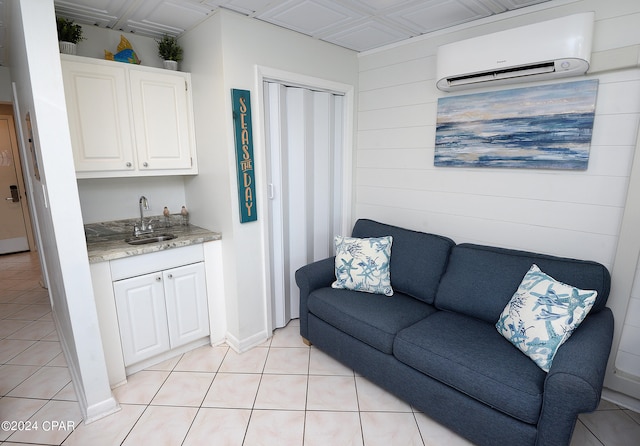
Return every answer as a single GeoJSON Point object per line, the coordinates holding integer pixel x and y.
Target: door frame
{"type": "Point", "coordinates": [268, 74]}
{"type": "Point", "coordinates": [7, 110]}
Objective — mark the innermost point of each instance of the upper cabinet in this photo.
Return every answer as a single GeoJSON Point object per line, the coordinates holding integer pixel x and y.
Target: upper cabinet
{"type": "Point", "coordinates": [128, 120]}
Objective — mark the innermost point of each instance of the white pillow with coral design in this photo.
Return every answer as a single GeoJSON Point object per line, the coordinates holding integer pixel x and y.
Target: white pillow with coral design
{"type": "Point", "coordinates": [362, 264]}
{"type": "Point", "coordinates": [542, 315]}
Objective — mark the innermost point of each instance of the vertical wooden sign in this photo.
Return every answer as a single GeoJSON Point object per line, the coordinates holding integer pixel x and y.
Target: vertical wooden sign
{"type": "Point", "coordinates": [241, 107]}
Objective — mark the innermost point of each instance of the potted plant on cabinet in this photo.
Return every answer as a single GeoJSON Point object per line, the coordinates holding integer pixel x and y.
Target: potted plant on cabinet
{"type": "Point", "coordinates": [169, 51]}
{"type": "Point", "coordinates": [69, 34]}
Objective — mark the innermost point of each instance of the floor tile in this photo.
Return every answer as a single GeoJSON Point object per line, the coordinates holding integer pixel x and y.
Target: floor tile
{"type": "Point", "coordinates": [39, 353]}
{"type": "Point", "coordinates": [33, 331]}
{"type": "Point", "coordinates": [233, 390]}
{"type": "Point", "coordinates": [203, 359]}
{"type": "Point", "coordinates": [141, 387]}
{"type": "Point", "coordinates": [288, 336]}
{"type": "Point", "coordinates": [612, 427]}
{"type": "Point", "coordinates": [68, 393]}
{"type": "Point", "coordinates": [583, 436]}
{"type": "Point", "coordinates": [183, 389]}
{"type": "Point", "coordinates": [386, 428]}
{"type": "Point", "coordinates": [372, 398]}
{"type": "Point", "coordinates": [161, 426]}
{"type": "Point", "coordinates": [282, 392]}
{"type": "Point", "coordinates": [108, 431]}
{"type": "Point", "coordinates": [248, 362]}
{"type": "Point", "coordinates": [434, 434]}
{"type": "Point", "coordinates": [335, 393]}
{"type": "Point", "coordinates": [275, 427]}
{"type": "Point", "coordinates": [287, 360]}
{"type": "Point", "coordinates": [31, 312]}
{"type": "Point", "coordinates": [12, 347]}
{"type": "Point", "coordinates": [13, 375]}
{"type": "Point", "coordinates": [44, 383]}
{"type": "Point", "coordinates": [324, 428]}
{"type": "Point", "coordinates": [166, 366]}
{"type": "Point", "coordinates": [322, 364]}
{"type": "Point", "coordinates": [17, 410]}
{"type": "Point", "coordinates": [9, 327]}
{"type": "Point", "coordinates": [222, 427]}
{"type": "Point", "coordinates": [56, 421]}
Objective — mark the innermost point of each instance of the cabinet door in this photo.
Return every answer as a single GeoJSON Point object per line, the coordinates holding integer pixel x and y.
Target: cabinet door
{"type": "Point", "coordinates": [98, 111]}
{"type": "Point", "coordinates": [186, 297]}
{"type": "Point", "coordinates": [142, 317]}
{"type": "Point", "coordinates": [162, 120]}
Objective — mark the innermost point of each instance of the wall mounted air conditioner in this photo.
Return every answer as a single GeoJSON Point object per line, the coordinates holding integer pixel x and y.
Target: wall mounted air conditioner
{"type": "Point", "coordinates": [545, 50]}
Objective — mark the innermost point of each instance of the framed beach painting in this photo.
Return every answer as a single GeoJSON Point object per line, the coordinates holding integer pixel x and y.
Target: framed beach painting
{"type": "Point", "coordinates": [542, 127]}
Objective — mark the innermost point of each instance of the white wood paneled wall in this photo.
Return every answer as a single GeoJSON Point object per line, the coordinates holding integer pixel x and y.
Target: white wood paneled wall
{"type": "Point", "coordinates": [567, 213]}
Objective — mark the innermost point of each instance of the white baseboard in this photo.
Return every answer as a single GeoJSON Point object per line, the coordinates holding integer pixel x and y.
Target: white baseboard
{"type": "Point", "coordinates": [621, 399]}
{"type": "Point", "coordinates": [241, 346]}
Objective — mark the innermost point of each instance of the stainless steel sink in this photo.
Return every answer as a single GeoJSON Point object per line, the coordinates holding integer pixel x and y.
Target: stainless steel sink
{"type": "Point", "coordinates": [150, 238]}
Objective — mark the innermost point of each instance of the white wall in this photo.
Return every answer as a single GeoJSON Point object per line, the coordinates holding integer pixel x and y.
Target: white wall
{"type": "Point", "coordinates": [222, 53]}
{"type": "Point", "coordinates": [5, 85]}
{"type": "Point", "coordinates": [106, 199]}
{"type": "Point", "coordinates": [35, 67]}
{"type": "Point", "coordinates": [568, 213]}
{"type": "Point", "coordinates": [97, 40]}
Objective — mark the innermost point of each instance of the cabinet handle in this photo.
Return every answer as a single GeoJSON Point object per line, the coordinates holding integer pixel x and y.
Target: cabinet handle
{"type": "Point", "coordinates": [158, 279]}
{"type": "Point", "coordinates": [170, 276]}
{"type": "Point", "coordinates": [145, 164]}
{"type": "Point", "coordinates": [128, 164]}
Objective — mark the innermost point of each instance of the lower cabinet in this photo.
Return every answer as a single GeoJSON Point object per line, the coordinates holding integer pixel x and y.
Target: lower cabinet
{"type": "Point", "coordinates": [160, 311]}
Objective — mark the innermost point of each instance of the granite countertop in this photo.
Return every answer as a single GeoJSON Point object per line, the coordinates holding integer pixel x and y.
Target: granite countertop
{"type": "Point", "coordinates": [106, 240]}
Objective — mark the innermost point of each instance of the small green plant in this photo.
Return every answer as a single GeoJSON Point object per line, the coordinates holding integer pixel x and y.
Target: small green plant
{"type": "Point", "coordinates": [69, 31]}
{"type": "Point", "coordinates": [168, 48]}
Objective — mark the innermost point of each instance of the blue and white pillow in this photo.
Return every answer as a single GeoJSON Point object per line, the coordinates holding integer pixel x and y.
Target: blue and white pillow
{"type": "Point", "coordinates": [542, 314]}
{"type": "Point", "coordinates": [362, 264]}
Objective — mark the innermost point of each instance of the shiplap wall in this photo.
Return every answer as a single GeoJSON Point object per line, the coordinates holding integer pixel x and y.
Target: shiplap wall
{"type": "Point", "coordinates": [567, 213]}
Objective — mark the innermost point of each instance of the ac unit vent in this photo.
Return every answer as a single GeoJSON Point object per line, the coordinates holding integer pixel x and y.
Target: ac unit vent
{"type": "Point", "coordinates": [546, 50]}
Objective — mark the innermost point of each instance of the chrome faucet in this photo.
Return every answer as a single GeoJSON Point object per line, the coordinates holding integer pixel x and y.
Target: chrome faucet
{"type": "Point", "coordinates": [143, 228]}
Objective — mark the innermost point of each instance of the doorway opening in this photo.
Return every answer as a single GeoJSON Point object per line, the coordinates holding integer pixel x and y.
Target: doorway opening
{"type": "Point", "coordinates": [15, 222]}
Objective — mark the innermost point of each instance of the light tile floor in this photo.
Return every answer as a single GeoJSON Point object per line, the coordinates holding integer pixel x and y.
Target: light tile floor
{"type": "Point", "coordinates": [281, 393]}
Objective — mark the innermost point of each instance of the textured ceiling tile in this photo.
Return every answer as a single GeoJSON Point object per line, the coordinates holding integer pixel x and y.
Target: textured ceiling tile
{"type": "Point", "coordinates": [515, 4]}
{"type": "Point", "coordinates": [362, 23]}
{"type": "Point", "coordinates": [180, 14]}
{"type": "Point", "coordinates": [435, 15]}
{"type": "Point", "coordinates": [247, 7]}
{"type": "Point", "coordinates": [309, 17]}
{"type": "Point", "coordinates": [365, 36]}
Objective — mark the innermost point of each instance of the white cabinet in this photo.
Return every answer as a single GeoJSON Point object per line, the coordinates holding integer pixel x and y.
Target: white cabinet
{"type": "Point", "coordinates": [98, 110]}
{"type": "Point", "coordinates": [161, 311]}
{"type": "Point", "coordinates": [142, 317]}
{"type": "Point", "coordinates": [161, 120]}
{"type": "Point", "coordinates": [186, 300]}
{"type": "Point", "coordinates": [128, 120]}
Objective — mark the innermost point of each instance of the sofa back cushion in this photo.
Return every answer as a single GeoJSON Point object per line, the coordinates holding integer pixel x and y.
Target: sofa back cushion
{"type": "Point", "coordinates": [418, 259]}
{"type": "Point", "coordinates": [480, 280]}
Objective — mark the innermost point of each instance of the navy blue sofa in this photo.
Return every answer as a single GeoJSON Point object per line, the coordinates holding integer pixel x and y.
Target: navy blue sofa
{"type": "Point", "coordinates": [434, 342]}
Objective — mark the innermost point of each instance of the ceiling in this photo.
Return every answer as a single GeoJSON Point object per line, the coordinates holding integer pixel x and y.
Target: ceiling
{"type": "Point", "coordinates": [359, 25]}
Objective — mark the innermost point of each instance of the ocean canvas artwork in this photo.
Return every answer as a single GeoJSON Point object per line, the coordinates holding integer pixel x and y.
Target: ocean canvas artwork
{"type": "Point", "coordinates": [542, 127]}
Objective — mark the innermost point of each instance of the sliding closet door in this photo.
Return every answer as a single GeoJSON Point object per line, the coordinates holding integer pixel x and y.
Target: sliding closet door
{"type": "Point", "coordinates": [304, 134]}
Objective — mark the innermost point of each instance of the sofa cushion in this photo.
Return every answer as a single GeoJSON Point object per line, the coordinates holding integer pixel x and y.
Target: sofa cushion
{"type": "Point", "coordinates": [472, 357]}
{"type": "Point", "coordinates": [362, 264]}
{"type": "Point", "coordinates": [372, 318]}
{"type": "Point", "coordinates": [542, 314]}
{"type": "Point", "coordinates": [480, 280]}
{"type": "Point", "coordinates": [418, 259]}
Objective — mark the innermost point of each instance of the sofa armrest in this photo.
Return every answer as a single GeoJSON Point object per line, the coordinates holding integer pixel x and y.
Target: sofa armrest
{"type": "Point", "coordinates": [316, 275]}
{"type": "Point", "coordinates": [574, 382]}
